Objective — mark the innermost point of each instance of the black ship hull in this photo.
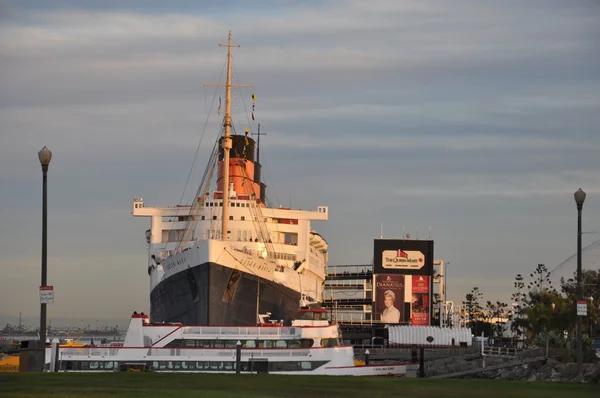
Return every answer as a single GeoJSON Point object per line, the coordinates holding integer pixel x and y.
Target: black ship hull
{"type": "Point", "coordinates": [213, 295]}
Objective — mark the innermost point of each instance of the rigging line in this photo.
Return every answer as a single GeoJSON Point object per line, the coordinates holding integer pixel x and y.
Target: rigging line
{"type": "Point", "coordinates": [198, 147]}
{"type": "Point", "coordinates": [593, 244]}
{"type": "Point", "coordinates": [266, 199]}
{"type": "Point", "coordinates": [202, 135]}
{"type": "Point", "coordinates": [242, 98]}
{"type": "Point", "coordinates": [198, 204]}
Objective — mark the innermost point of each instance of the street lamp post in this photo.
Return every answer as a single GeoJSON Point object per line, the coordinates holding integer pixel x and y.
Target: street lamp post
{"type": "Point", "coordinates": [45, 156]}
{"type": "Point", "coordinates": [579, 199]}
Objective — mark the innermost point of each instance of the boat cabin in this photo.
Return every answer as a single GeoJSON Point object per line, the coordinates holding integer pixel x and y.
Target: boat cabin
{"type": "Point", "coordinates": [311, 317]}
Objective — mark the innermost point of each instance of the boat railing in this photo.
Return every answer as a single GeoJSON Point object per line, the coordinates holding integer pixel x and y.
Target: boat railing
{"type": "Point", "coordinates": [243, 331]}
{"type": "Point", "coordinates": [95, 352]}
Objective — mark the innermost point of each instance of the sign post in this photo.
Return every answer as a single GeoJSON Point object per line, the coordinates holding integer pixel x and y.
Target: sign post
{"type": "Point", "coordinates": [581, 308]}
{"type": "Point", "coordinates": [46, 294]}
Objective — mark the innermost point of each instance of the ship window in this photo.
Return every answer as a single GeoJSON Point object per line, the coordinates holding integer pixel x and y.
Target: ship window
{"type": "Point", "coordinates": [306, 365]}
{"type": "Point", "coordinates": [218, 344]}
{"type": "Point", "coordinates": [331, 342]}
{"type": "Point", "coordinates": [307, 343]}
{"type": "Point", "coordinates": [249, 344]}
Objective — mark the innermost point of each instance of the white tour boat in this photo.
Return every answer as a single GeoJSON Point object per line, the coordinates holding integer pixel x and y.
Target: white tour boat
{"type": "Point", "coordinates": [311, 345]}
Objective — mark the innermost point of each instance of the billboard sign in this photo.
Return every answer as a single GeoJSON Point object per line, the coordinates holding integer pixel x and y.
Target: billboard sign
{"type": "Point", "coordinates": [420, 308]}
{"type": "Point", "coordinates": [409, 264]}
{"type": "Point", "coordinates": [402, 259]}
{"type": "Point", "coordinates": [389, 297]}
{"type": "Point", "coordinates": [403, 256]}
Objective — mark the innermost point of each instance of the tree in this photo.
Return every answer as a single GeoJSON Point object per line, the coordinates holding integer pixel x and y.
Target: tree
{"type": "Point", "coordinates": [472, 311]}
{"type": "Point", "coordinates": [518, 299]}
{"type": "Point", "coordinates": [497, 317]}
{"type": "Point", "coordinates": [540, 279]}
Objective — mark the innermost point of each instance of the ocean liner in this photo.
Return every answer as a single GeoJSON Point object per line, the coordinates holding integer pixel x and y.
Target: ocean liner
{"type": "Point", "coordinates": [268, 263]}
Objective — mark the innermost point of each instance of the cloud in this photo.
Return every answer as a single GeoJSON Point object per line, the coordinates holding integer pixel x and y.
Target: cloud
{"type": "Point", "coordinates": [477, 118]}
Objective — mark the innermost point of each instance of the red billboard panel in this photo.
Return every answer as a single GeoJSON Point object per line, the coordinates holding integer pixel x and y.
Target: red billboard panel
{"type": "Point", "coordinates": [389, 297]}
{"type": "Point", "coordinates": [420, 300]}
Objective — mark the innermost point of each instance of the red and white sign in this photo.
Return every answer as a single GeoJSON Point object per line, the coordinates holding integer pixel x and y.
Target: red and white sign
{"type": "Point", "coordinates": [581, 308]}
{"type": "Point", "coordinates": [402, 259]}
{"type": "Point", "coordinates": [420, 300]}
{"type": "Point", "coordinates": [46, 294]}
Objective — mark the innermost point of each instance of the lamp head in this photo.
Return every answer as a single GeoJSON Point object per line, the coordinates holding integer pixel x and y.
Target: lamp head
{"type": "Point", "coordinates": [45, 156]}
{"type": "Point", "coordinates": [579, 197]}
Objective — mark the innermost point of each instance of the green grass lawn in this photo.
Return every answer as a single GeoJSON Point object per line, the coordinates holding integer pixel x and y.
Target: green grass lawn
{"type": "Point", "coordinates": [21, 385]}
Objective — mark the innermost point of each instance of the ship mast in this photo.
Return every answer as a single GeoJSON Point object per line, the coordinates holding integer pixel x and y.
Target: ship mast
{"type": "Point", "coordinates": [227, 144]}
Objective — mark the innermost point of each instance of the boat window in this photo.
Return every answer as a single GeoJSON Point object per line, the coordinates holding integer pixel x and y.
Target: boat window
{"type": "Point", "coordinates": [294, 343]}
{"type": "Point", "coordinates": [267, 344]}
{"type": "Point", "coordinates": [230, 343]}
{"type": "Point", "coordinates": [280, 344]}
{"type": "Point", "coordinates": [184, 365]}
{"type": "Point", "coordinates": [331, 342]}
{"type": "Point", "coordinates": [307, 343]}
{"type": "Point", "coordinates": [218, 344]}
{"type": "Point", "coordinates": [307, 315]}
{"type": "Point", "coordinates": [305, 365]}
{"type": "Point", "coordinates": [93, 365]}
{"type": "Point", "coordinates": [249, 344]}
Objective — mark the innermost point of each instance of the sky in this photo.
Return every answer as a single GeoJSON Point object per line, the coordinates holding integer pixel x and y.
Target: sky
{"type": "Point", "coordinates": [475, 120]}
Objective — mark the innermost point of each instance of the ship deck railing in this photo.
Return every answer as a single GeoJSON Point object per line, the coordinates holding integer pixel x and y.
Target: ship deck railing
{"type": "Point", "coordinates": [235, 331]}
{"type": "Point", "coordinates": [172, 352]}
